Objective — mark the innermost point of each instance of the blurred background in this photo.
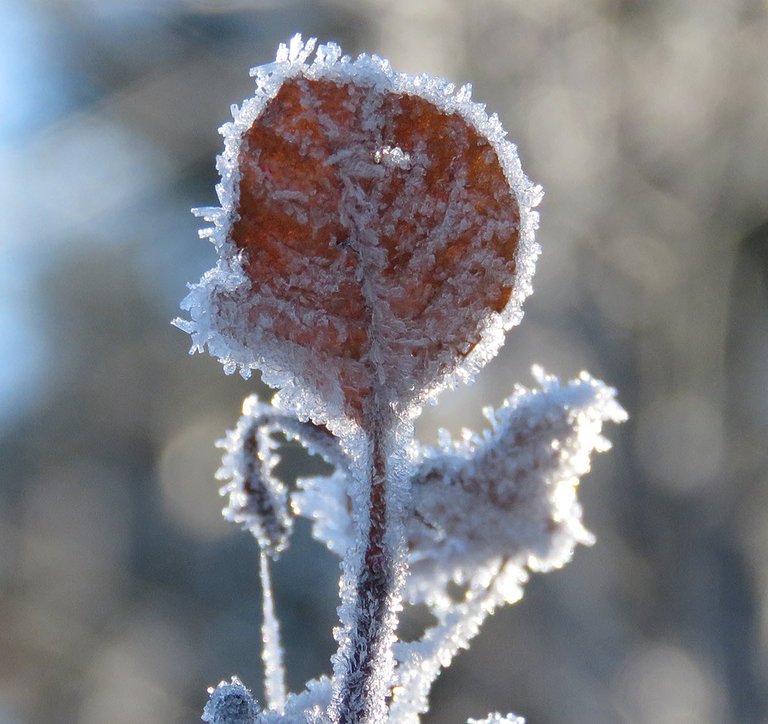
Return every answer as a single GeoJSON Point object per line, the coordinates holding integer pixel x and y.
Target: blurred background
{"type": "Point", "coordinates": [123, 594]}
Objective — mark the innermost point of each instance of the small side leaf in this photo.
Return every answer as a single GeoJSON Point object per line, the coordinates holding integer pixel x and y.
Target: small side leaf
{"type": "Point", "coordinates": [257, 499]}
{"type": "Point", "coordinates": [511, 491]}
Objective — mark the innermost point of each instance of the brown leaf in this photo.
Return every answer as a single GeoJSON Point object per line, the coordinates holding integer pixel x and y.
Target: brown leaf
{"type": "Point", "coordinates": [389, 270]}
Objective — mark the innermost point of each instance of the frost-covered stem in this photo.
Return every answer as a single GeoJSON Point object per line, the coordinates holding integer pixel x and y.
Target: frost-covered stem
{"type": "Point", "coordinates": [364, 688]}
{"type": "Point", "coordinates": [420, 663]}
{"type": "Point", "coordinates": [272, 651]}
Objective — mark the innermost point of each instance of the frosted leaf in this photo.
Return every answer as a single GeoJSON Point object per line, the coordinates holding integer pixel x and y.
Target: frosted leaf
{"type": "Point", "coordinates": [498, 719]}
{"type": "Point", "coordinates": [257, 499]}
{"type": "Point", "coordinates": [230, 703]}
{"type": "Point", "coordinates": [375, 236]}
{"type": "Point", "coordinates": [510, 492]}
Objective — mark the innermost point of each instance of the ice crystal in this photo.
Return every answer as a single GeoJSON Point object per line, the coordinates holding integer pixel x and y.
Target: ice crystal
{"type": "Point", "coordinates": [393, 156]}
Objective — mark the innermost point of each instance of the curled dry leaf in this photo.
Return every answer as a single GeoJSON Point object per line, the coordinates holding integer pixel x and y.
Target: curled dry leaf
{"type": "Point", "coordinates": [256, 498]}
{"type": "Point", "coordinates": [375, 236]}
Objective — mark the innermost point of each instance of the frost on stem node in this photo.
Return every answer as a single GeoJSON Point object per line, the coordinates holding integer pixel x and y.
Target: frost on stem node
{"type": "Point", "coordinates": [375, 236]}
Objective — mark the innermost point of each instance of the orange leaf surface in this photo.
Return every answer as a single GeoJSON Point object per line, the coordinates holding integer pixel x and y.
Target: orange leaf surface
{"type": "Point", "coordinates": [378, 232]}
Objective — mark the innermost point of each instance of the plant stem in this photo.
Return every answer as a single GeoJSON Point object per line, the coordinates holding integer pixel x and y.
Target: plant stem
{"type": "Point", "coordinates": [369, 654]}
{"type": "Point", "coordinates": [272, 651]}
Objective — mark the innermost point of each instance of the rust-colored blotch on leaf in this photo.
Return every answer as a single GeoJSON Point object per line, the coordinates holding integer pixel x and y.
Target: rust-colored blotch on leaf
{"type": "Point", "coordinates": [391, 263]}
